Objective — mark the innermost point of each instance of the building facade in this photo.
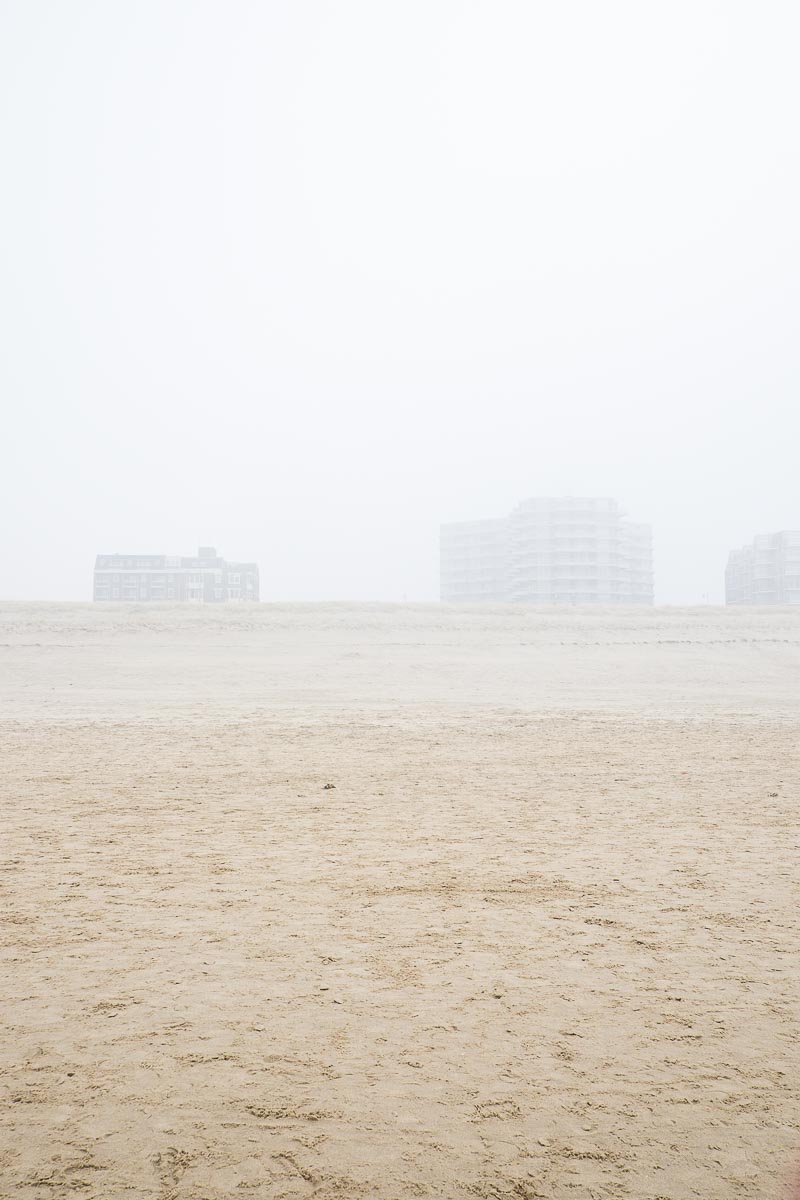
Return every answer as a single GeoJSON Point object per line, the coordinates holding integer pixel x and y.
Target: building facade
{"type": "Point", "coordinates": [562, 550]}
{"type": "Point", "coordinates": [765, 572]}
{"type": "Point", "coordinates": [160, 577]}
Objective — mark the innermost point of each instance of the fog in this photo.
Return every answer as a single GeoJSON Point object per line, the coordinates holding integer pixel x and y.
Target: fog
{"type": "Point", "coordinates": [303, 281]}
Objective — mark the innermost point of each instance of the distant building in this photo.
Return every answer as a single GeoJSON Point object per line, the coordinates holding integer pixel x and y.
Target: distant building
{"type": "Point", "coordinates": [765, 572]}
{"type": "Point", "coordinates": [564, 550]}
{"type": "Point", "coordinates": [155, 577]}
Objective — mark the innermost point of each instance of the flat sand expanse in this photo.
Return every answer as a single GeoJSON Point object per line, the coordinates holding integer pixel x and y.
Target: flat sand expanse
{"type": "Point", "coordinates": [539, 939]}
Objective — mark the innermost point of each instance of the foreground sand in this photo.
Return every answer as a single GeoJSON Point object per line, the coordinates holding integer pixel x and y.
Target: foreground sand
{"type": "Point", "coordinates": [540, 939]}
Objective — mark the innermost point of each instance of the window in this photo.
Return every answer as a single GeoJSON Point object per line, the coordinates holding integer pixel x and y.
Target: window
{"type": "Point", "coordinates": [235, 578]}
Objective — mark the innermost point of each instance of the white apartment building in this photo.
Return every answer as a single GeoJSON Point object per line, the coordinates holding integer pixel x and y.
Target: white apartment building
{"type": "Point", "coordinates": [765, 572]}
{"type": "Point", "coordinates": [157, 577]}
{"type": "Point", "coordinates": [549, 550]}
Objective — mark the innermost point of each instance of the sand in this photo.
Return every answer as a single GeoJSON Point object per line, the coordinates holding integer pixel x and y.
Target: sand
{"type": "Point", "coordinates": [538, 939]}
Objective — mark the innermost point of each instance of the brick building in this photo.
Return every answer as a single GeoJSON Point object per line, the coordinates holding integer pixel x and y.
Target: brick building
{"type": "Point", "coordinates": [161, 577]}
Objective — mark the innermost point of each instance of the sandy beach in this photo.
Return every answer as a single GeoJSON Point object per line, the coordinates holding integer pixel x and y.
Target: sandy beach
{"type": "Point", "coordinates": [387, 902]}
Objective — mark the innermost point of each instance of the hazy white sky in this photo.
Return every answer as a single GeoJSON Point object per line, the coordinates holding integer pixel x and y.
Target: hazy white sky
{"type": "Point", "coordinates": [304, 279]}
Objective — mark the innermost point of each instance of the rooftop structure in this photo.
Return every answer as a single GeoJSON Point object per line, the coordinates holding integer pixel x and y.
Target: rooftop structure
{"type": "Point", "coordinates": [765, 572]}
{"type": "Point", "coordinates": [160, 577]}
{"type": "Point", "coordinates": [555, 550]}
